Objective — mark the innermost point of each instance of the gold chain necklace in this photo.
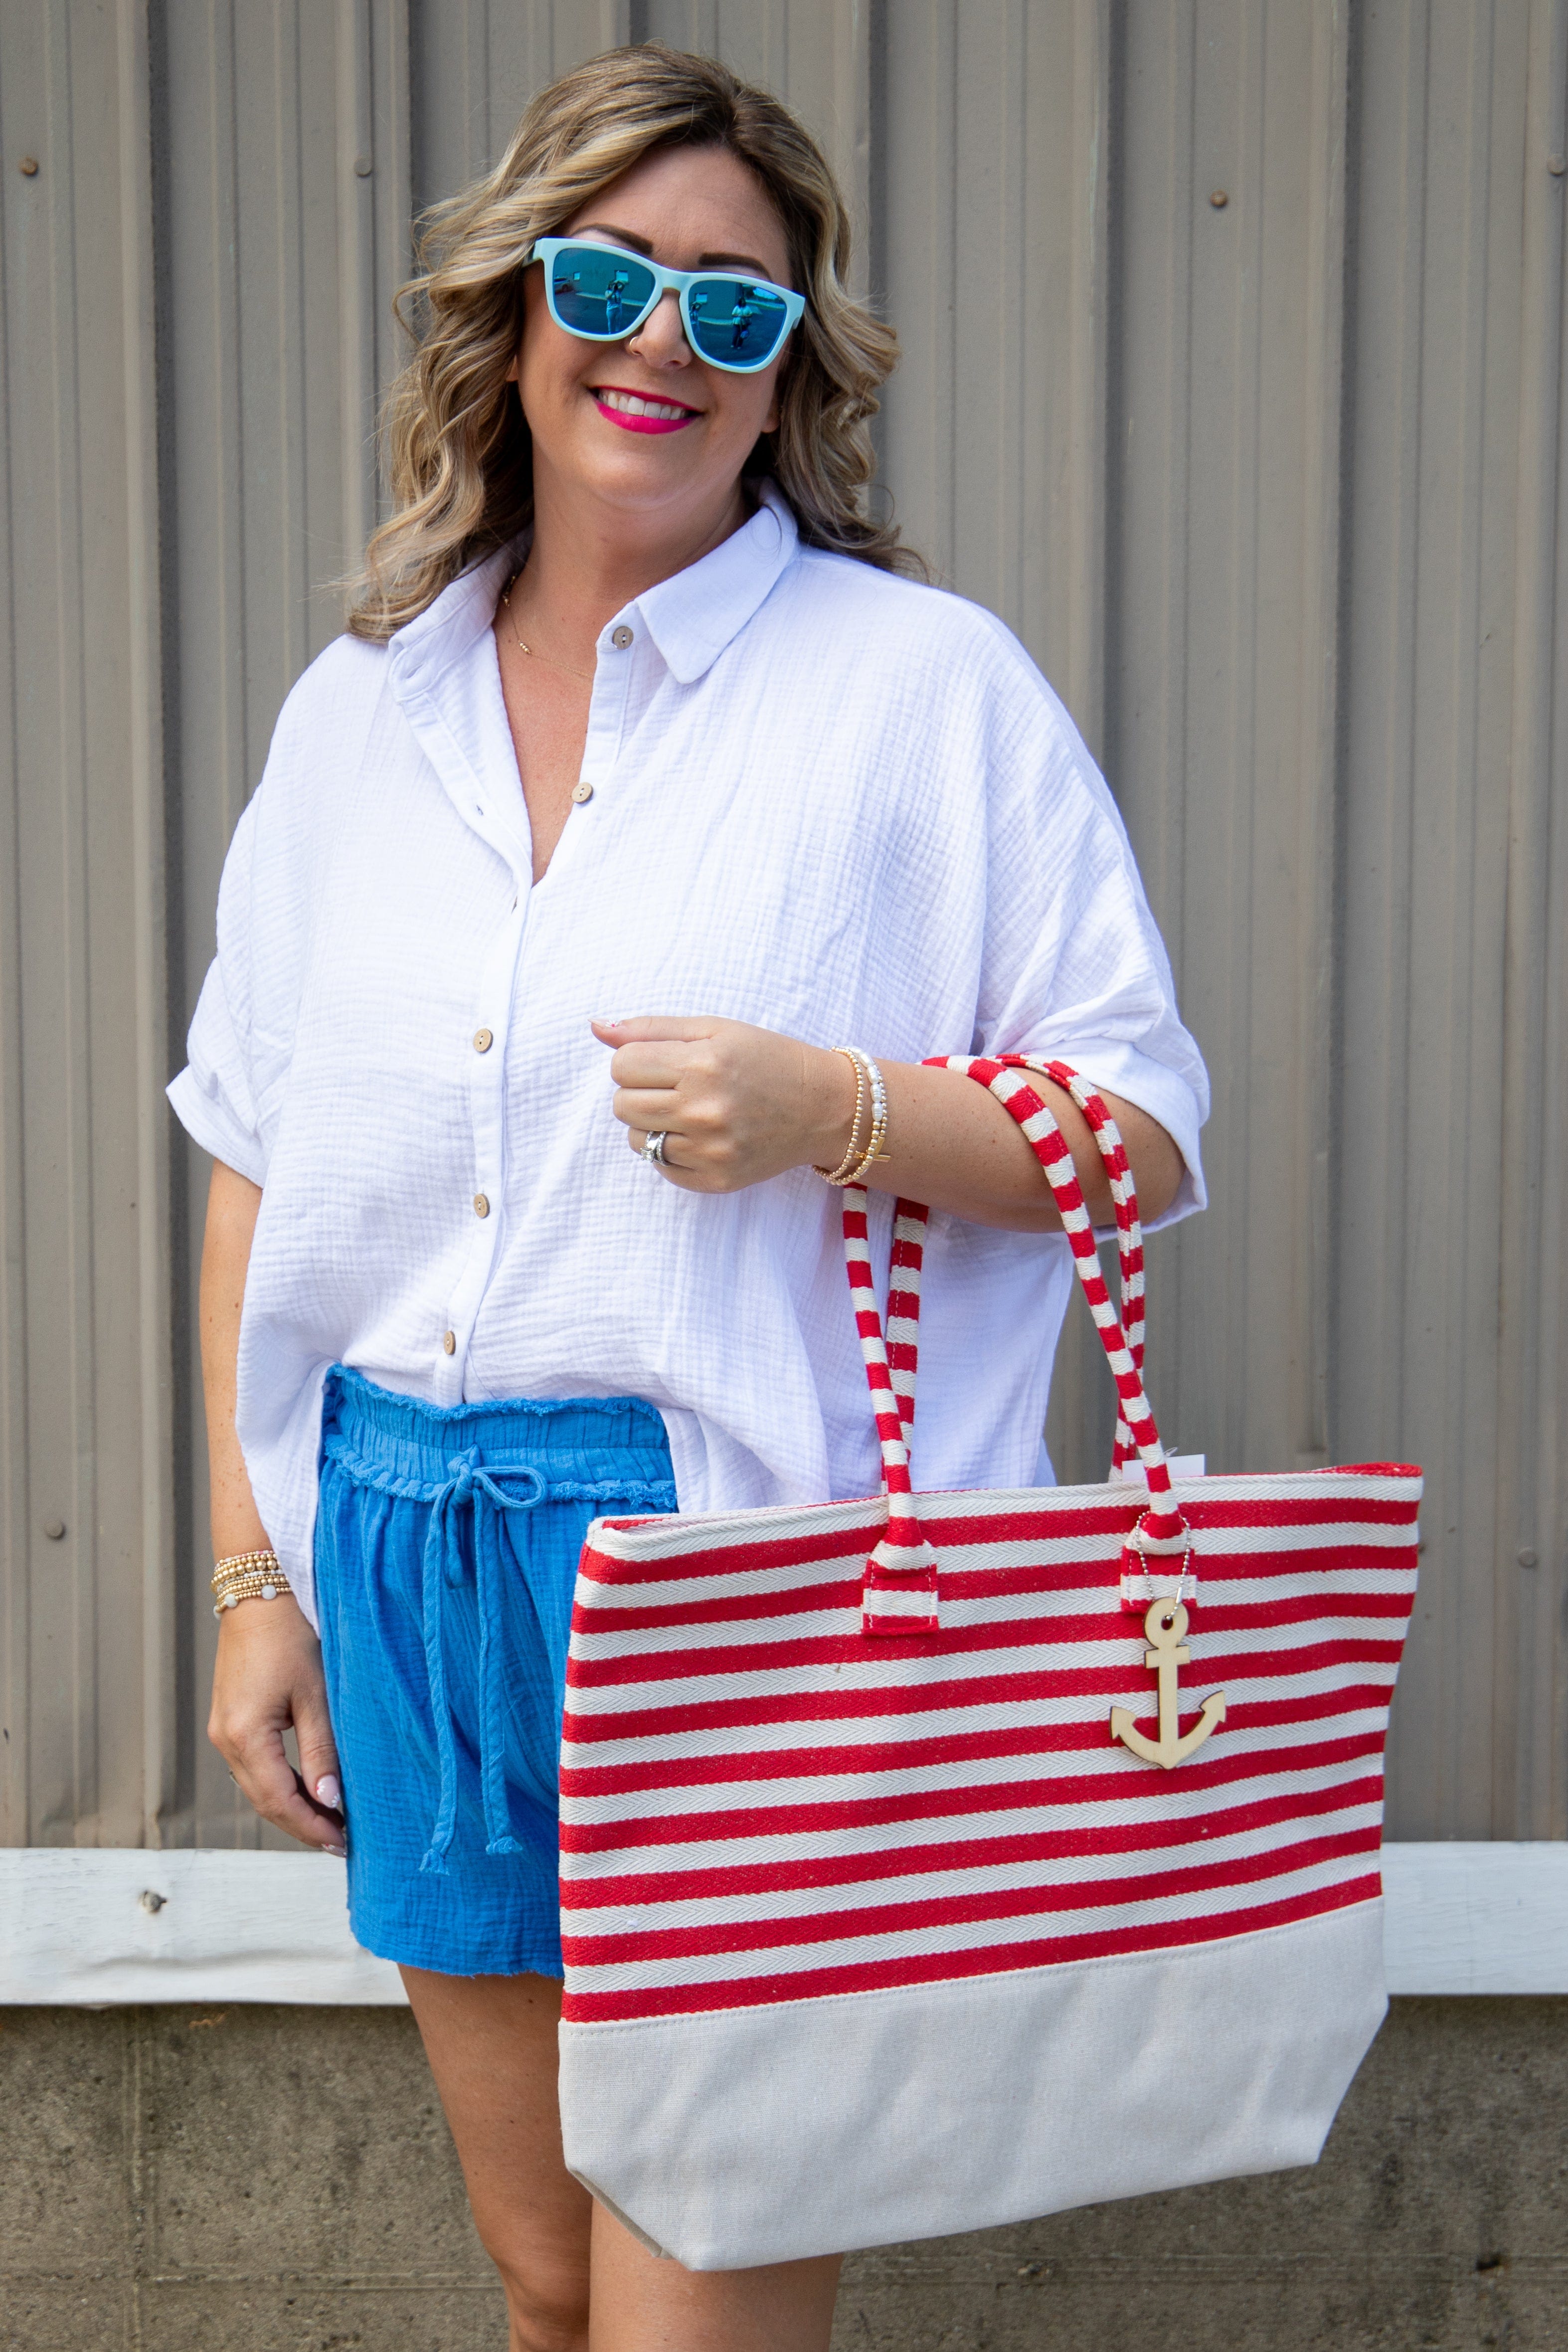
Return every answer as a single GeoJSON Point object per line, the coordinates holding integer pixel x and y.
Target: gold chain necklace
{"type": "Point", "coordinates": [584, 677]}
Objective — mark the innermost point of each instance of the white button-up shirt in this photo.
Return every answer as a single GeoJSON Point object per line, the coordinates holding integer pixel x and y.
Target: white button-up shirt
{"type": "Point", "coordinates": [824, 800]}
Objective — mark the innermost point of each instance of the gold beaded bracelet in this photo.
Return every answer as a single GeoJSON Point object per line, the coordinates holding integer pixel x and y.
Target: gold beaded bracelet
{"type": "Point", "coordinates": [247, 1576]}
{"type": "Point", "coordinates": [873, 1149]}
{"type": "Point", "coordinates": [244, 1563]}
{"type": "Point", "coordinates": [852, 1167]}
{"type": "Point", "coordinates": [840, 1174]}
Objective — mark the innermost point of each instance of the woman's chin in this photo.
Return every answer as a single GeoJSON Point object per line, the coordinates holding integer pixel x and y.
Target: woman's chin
{"type": "Point", "coordinates": [642, 470]}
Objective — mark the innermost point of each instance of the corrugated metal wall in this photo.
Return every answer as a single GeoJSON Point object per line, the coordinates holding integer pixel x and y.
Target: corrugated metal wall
{"type": "Point", "coordinates": [1233, 379]}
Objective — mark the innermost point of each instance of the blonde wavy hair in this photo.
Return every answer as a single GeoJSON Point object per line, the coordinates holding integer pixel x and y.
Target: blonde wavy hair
{"type": "Point", "coordinates": [459, 449]}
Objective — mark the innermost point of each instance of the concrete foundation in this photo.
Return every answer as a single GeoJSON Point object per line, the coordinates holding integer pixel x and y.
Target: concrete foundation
{"type": "Point", "coordinates": [281, 2180]}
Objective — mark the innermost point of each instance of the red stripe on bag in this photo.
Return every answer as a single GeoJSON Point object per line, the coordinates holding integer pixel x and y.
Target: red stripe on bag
{"type": "Point", "coordinates": [1106, 1788]}
{"type": "Point", "coordinates": [845, 1649]}
{"type": "Point", "coordinates": [875, 1976]}
{"type": "Point", "coordinates": [834, 1706]}
{"type": "Point", "coordinates": [673, 1773]}
{"type": "Point", "coordinates": [743, 1936]}
{"type": "Point", "coordinates": [620, 1887]}
{"type": "Point", "coordinates": [1041, 1524]}
{"type": "Point", "coordinates": [774, 1608]}
{"type": "Point", "coordinates": [833, 1818]}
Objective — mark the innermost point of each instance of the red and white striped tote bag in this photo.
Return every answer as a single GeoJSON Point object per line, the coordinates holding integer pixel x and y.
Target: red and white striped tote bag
{"type": "Point", "coordinates": [936, 1860]}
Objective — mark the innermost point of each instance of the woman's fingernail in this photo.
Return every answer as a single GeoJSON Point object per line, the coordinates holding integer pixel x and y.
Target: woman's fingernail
{"type": "Point", "coordinates": [338, 1852]}
{"type": "Point", "coordinates": [328, 1792]}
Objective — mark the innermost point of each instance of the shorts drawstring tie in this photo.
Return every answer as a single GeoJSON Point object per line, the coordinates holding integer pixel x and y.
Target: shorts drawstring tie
{"type": "Point", "coordinates": [468, 1483]}
{"type": "Point", "coordinates": [447, 1544]}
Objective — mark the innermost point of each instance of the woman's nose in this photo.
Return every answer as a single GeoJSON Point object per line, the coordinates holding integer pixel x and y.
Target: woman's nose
{"type": "Point", "coordinates": [662, 341]}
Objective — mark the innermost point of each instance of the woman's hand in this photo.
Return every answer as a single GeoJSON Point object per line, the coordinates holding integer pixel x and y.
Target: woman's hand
{"type": "Point", "coordinates": [269, 1676]}
{"type": "Point", "coordinates": [738, 1104]}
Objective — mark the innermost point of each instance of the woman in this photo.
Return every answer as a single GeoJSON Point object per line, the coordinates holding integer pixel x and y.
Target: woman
{"type": "Point", "coordinates": [645, 779]}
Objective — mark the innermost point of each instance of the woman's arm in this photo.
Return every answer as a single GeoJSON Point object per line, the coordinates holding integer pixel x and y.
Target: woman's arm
{"type": "Point", "coordinates": [268, 1673]}
{"type": "Point", "coordinates": [741, 1104]}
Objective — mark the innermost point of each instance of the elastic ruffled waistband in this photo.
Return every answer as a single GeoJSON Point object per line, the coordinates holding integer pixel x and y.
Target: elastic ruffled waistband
{"type": "Point", "coordinates": [571, 1442]}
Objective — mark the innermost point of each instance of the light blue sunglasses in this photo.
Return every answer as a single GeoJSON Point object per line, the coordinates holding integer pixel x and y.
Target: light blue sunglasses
{"type": "Point", "coordinates": [604, 293]}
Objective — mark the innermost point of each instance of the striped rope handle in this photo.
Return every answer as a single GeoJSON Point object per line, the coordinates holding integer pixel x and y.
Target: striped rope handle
{"type": "Point", "coordinates": [1129, 1228]}
{"type": "Point", "coordinates": [1161, 1531]}
{"type": "Point", "coordinates": [899, 1592]}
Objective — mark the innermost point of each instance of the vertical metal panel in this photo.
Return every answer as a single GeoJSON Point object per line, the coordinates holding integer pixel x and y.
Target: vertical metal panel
{"type": "Point", "coordinates": [1449, 1191]}
{"type": "Point", "coordinates": [1220, 717]}
{"type": "Point", "coordinates": [1533, 1487]}
{"type": "Point", "coordinates": [1274, 491]}
{"type": "Point", "coordinates": [476, 63]}
{"type": "Point", "coordinates": [994, 219]}
{"type": "Point", "coordinates": [996, 246]}
{"type": "Point", "coordinates": [84, 1016]}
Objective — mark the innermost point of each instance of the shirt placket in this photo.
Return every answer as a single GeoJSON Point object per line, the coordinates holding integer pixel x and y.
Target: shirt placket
{"type": "Point", "coordinates": [618, 648]}
{"type": "Point", "coordinates": [494, 1002]}
{"type": "Point", "coordinates": [485, 1048]}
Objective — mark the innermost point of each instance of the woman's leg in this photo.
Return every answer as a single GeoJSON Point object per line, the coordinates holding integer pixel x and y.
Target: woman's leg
{"type": "Point", "coordinates": [491, 2042]}
{"type": "Point", "coordinates": [643, 2304]}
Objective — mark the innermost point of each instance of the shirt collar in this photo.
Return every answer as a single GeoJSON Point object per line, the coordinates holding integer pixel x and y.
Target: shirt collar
{"type": "Point", "coordinates": [446, 630]}
{"type": "Point", "coordinates": [691, 618]}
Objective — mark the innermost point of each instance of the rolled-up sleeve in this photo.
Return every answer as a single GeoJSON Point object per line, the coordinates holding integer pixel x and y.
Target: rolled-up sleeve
{"type": "Point", "coordinates": [214, 1095]}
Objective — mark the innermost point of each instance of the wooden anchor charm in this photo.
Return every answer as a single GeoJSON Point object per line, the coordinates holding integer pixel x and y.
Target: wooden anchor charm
{"type": "Point", "coordinates": [1165, 1627]}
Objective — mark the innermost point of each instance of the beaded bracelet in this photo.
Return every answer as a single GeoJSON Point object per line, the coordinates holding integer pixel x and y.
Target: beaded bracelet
{"type": "Point", "coordinates": [247, 1576]}
{"type": "Point", "coordinates": [244, 1563]}
{"type": "Point", "coordinates": [840, 1174]}
{"type": "Point", "coordinates": [236, 1593]}
{"type": "Point", "coordinates": [852, 1167]}
{"type": "Point", "coordinates": [873, 1149]}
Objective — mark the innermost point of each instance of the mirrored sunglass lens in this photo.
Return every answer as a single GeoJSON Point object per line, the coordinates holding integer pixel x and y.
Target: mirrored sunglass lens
{"type": "Point", "coordinates": [735, 323]}
{"type": "Point", "coordinates": [598, 292]}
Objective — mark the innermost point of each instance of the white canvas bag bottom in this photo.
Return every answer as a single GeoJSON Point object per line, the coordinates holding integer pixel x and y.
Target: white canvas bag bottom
{"type": "Point", "coordinates": [916, 2112]}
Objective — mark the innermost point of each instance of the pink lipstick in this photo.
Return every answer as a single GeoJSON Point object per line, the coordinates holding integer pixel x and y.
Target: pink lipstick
{"type": "Point", "coordinates": [632, 422]}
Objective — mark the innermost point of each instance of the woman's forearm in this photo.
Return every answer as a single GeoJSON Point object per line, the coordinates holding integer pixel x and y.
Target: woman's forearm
{"type": "Point", "coordinates": [951, 1144]}
{"type": "Point", "coordinates": [740, 1104]}
{"type": "Point", "coordinates": [233, 1202]}
{"type": "Point", "coordinates": [267, 1677]}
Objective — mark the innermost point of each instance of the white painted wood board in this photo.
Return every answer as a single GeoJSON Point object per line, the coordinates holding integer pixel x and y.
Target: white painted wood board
{"type": "Point", "coordinates": [231, 1926]}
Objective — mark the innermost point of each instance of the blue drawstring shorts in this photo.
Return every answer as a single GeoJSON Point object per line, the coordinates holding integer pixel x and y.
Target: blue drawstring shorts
{"type": "Point", "coordinates": [447, 1547]}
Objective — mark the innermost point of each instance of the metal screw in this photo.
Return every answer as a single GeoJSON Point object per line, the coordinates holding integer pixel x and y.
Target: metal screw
{"type": "Point", "coordinates": [1554, 164]}
{"type": "Point", "coordinates": [152, 1903]}
{"type": "Point", "coordinates": [363, 167]}
{"type": "Point", "coordinates": [1528, 1559]}
{"type": "Point", "coordinates": [1030, 2270]}
{"type": "Point", "coordinates": [28, 167]}
{"type": "Point", "coordinates": [1219, 199]}
{"type": "Point", "coordinates": [54, 1530]}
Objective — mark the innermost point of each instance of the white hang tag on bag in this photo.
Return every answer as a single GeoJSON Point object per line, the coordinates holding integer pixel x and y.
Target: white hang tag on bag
{"type": "Point", "coordinates": [1180, 1465]}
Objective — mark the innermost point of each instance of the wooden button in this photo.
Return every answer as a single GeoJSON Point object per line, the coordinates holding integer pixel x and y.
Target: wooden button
{"type": "Point", "coordinates": [481, 1206]}
{"type": "Point", "coordinates": [482, 1040]}
{"type": "Point", "coordinates": [621, 639]}
{"type": "Point", "coordinates": [582, 792]}
{"type": "Point", "coordinates": [449, 1341]}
